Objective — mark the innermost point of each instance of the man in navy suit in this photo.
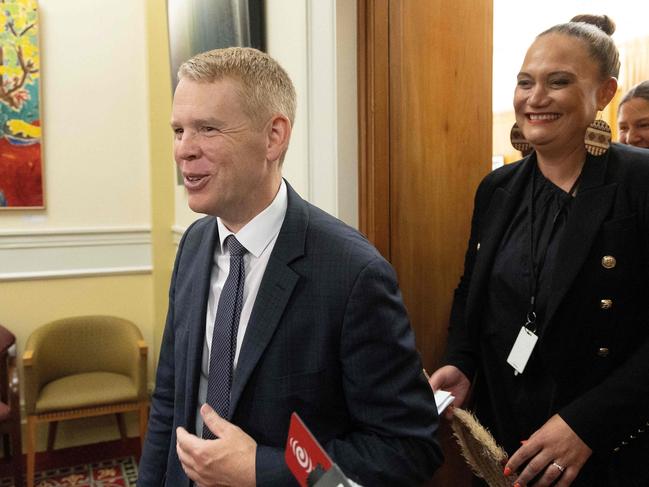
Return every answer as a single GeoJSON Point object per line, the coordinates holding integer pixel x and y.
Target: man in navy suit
{"type": "Point", "coordinates": [320, 330]}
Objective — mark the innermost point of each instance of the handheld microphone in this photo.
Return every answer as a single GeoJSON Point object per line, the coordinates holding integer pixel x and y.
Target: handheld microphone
{"type": "Point", "coordinates": [308, 461]}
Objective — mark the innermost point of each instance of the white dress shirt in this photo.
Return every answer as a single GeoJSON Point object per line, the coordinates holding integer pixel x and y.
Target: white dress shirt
{"type": "Point", "coordinates": [258, 236]}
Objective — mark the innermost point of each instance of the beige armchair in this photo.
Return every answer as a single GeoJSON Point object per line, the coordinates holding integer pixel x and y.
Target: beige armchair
{"type": "Point", "coordinates": [80, 367]}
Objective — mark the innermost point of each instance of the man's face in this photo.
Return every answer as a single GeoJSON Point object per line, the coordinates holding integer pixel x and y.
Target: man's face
{"type": "Point", "coordinates": [221, 153]}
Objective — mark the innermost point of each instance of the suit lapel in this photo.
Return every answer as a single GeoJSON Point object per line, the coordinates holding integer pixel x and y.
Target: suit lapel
{"type": "Point", "coordinates": [590, 207]}
{"type": "Point", "coordinates": [275, 290]}
{"type": "Point", "coordinates": [504, 202]}
{"type": "Point", "coordinates": [196, 323]}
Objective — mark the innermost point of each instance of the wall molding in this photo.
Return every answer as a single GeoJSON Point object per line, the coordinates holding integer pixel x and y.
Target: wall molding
{"type": "Point", "coordinates": [71, 252]}
{"type": "Point", "coordinates": [322, 104]}
{"type": "Point", "coordinates": [177, 232]}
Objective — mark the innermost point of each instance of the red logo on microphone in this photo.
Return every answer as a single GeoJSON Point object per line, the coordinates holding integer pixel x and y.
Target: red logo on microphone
{"type": "Point", "coordinates": [303, 452]}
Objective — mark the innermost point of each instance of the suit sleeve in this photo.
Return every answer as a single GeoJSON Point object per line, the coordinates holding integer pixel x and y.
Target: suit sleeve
{"type": "Point", "coordinates": [615, 413]}
{"type": "Point", "coordinates": [461, 350]}
{"type": "Point", "coordinates": [153, 462]}
{"type": "Point", "coordinates": [386, 392]}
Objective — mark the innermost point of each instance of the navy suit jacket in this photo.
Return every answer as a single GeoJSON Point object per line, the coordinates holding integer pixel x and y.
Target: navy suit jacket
{"type": "Point", "coordinates": [328, 337]}
{"type": "Point", "coordinates": [597, 355]}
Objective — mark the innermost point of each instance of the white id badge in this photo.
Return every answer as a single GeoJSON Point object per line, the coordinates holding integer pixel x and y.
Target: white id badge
{"type": "Point", "coordinates": [522, 349]}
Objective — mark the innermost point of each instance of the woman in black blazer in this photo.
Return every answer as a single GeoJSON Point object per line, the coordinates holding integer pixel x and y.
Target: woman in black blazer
{"type": "Point", "coordinates": [550, 321]}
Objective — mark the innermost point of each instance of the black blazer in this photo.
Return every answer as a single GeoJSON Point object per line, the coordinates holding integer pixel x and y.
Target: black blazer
{"type": "Point", "coordinates": [597, 352]}
{"type": "Point", "coordinates": [328, 337]}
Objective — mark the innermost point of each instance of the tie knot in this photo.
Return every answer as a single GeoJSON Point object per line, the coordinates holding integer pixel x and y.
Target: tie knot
{"type": "Point", "coordinates": [236, 249]}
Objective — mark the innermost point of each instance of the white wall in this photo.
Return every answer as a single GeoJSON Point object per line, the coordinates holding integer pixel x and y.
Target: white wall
{"type": "Point", "coordinates": [95, 145]}
{"type": "Point", "coordinates": [94, 115]}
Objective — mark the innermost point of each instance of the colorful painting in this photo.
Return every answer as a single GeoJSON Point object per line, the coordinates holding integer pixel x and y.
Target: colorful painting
{"type": "Point", "coordinates": [21, 166]}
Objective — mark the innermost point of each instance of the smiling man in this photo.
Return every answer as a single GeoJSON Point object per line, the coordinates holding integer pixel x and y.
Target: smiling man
{"type": "Point", "coordinates": [275, 307]}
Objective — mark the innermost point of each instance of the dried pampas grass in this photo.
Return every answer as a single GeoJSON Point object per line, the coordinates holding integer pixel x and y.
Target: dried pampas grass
{"type": "Point", "coordinates": [481, 452]}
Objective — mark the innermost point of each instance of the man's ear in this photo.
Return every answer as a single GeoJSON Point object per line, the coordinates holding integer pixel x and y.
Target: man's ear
{"type": "Point", "coordinates": [278, 135]}
{"type": "Point", "coordinates": [606, 93]}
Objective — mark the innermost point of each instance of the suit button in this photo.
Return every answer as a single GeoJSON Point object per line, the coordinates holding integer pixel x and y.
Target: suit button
{"type": "Point", "coordinates": [606, 303]}
{"type": "Point", "coordinates": [608, 262]}
{"type": "Point", "coordinates": [602, 352]}
{"type": "Point", "coordinates": [477, 247]}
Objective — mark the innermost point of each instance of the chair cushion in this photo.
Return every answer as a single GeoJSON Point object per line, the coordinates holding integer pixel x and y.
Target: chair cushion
{"type": "Point", "coordinates": [86, 390]}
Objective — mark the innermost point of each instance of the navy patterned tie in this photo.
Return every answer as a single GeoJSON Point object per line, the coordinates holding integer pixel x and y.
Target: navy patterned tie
{"type": "Point", "coordinates": [224, 337]}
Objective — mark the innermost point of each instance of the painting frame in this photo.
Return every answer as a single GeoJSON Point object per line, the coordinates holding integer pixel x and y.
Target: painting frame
{"type": "Point", "coordinates": [22, 167]}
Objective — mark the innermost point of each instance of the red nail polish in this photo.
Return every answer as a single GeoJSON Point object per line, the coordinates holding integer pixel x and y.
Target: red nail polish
{"type": "Point", "coordinates": [507, 472]}
{"type": "Point", "coordinates": [517, 484]}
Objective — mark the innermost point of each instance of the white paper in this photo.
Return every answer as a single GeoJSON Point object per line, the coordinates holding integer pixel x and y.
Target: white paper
{"type": "Point", "coordinates": [443, 399]}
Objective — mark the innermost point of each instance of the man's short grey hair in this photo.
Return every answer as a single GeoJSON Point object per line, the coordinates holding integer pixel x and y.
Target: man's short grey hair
{"type": "Point", "coordinates": [265, 88]}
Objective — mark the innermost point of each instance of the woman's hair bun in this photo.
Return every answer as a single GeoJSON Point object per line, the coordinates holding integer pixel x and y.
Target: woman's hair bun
{"type": "Point", "coordinates": [604, 22]}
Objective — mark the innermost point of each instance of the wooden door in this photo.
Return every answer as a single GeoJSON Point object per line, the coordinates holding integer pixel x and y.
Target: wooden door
{"type": "Point", "coordinates": [425, 144]}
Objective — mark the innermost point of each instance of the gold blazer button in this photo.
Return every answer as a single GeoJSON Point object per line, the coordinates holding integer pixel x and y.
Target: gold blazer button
{"type": "Point", "coordinates": [602, 352]}
{"type": "Point", "coordinates": [608, 262]}
{"type": "Point", "coordinates": [606, 303]}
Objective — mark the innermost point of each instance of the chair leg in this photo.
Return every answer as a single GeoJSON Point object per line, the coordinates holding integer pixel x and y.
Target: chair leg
{"type": "Point", "coordinates": [17, 454]}
{"type": "Point", "coordinates": [121, 425]}
{"type": "Point", "coordinates": [31, 450]}
{"type": "Point", "coordinates": [144, 419]}
{"type": "Point", "coordinates": [51, 435]}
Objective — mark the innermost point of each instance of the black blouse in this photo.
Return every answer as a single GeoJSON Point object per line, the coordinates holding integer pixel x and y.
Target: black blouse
{"type": "Point", "coordinates": [516, 406]}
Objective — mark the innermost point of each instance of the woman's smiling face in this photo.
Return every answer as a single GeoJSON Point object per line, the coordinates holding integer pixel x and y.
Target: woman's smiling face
{"type": "Point", "coordinates": [558, 92]}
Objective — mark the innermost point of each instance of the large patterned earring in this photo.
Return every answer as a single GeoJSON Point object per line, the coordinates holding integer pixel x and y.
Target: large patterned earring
{"type": "Point", "coordinates": [598, 138]}
{"type": "Point", "coordinates": [518, 140]}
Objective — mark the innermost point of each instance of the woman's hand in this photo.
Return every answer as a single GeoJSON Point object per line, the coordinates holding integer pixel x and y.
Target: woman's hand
{"type": "Point", "coordinates": [554, 453]}
{"type": "Point", "coordinates": [450, 378]}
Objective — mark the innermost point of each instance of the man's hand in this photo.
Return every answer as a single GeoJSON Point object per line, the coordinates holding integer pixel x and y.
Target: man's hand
{"type": "Point", "coordinates": [450, 378]}
{"type": "Point", "coordinates": [554, 453]}
{"type": "Point", "coordinates": [229, 460]}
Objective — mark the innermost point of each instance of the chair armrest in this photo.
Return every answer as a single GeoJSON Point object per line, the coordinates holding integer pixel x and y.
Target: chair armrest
{"type": "Point", "coordinates": [141, 371]}
{"type": "Point", "coordinates": [141, 344]}
{"type": "Point", "coordinates": [31, 382]}
{"type": "Point", "coordinates": [28, 358]}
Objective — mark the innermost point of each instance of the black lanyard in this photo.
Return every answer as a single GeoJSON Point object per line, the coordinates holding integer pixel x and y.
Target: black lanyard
{"type": "Point", "coordinates": [535, 270]}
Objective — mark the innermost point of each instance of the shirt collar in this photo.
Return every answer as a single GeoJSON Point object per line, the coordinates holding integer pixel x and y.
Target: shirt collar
{"type": "Point", "coordinates": [260, 231]}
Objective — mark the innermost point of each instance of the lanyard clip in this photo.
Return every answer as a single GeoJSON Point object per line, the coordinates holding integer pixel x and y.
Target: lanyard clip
{"type": "Point", "coordinates": [530, 322]}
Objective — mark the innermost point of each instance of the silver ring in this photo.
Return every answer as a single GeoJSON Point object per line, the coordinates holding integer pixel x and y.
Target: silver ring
{"type": "Point", "coordinates": [555, 464]}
